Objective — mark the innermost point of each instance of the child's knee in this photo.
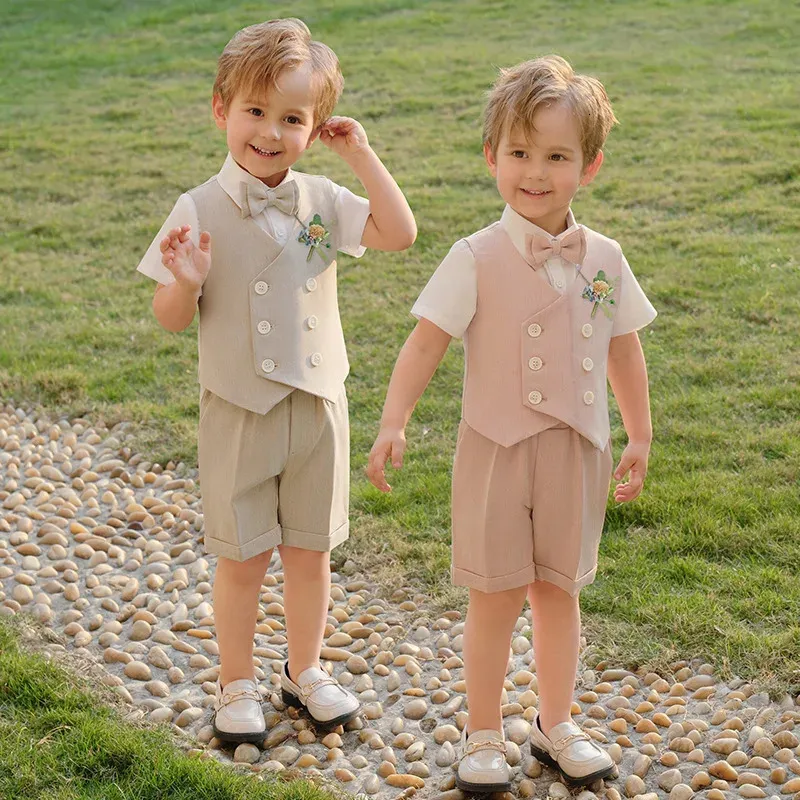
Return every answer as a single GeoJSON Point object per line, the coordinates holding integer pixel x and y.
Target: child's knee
{"type": "Point", "coordinates": [299, 555]}
{"type": "Point", "coordinates": [249, 570]}
{"type": "Point", "coordinates": [508, 599]}
{"type": "Point", "coordinates": [547, 592]}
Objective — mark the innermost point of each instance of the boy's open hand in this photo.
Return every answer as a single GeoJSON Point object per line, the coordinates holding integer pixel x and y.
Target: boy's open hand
{"type": "Point", "coordinates": [391, 443]}
{"type": "Point", "coordinates": [633, 460]}
{"type": "Point", "coordinates": [345, 136]}
{"type": "Point", "coordinates": [188, 264]}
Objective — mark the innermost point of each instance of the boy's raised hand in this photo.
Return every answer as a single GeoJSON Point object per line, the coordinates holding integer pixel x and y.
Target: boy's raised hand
{"type": "Point", "coordinates": [391, 443]}
{"type": "Point", "coordinates": [633, 460]}
{"type": "Point", "coordinates": [345, 136]}
{"type": "Point", "coordinates": [188, 264]}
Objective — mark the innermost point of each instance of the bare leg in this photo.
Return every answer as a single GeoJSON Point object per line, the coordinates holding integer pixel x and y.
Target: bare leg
{"type": "Point", "coordinates": [487, 637]}
{"type": "Point", "coordinates": [237, 585]}
{"type": "Point", "coordinates": [306, 591]}
{"type": "Point", "coordinates": [556, 641]}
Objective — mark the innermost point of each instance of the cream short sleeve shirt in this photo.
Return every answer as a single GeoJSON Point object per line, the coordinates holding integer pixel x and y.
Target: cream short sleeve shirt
{"type": "Point", "coordinates": [352, 212]}
{"type": "Point", "coordinates": [450, 297]}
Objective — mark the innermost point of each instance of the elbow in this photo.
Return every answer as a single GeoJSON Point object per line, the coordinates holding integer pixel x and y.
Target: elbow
{"type": "Point", "coordinates": [404, 239]}
{"type": "Point", "coordinates": [168, 322]}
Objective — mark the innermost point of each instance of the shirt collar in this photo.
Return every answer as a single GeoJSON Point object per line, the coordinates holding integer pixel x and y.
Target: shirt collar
{"type": "Point", "coordinates": [516, 226]}
{"type": "Point", "coordinates": [231, 175]}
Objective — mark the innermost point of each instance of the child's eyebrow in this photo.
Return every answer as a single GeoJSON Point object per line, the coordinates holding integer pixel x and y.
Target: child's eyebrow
{"type": "Point", "coordinates": [520, 145]}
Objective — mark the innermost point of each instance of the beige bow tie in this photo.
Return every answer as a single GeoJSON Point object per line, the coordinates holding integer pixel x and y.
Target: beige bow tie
{"type": "Point", "coordinates": [255, 199]}
{"type": "Point", "coordinates": [570, 246]}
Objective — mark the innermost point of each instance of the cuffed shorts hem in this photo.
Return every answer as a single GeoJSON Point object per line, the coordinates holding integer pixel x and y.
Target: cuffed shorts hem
{"type": "Point", "coordinates": [255, 547]}
{"type": "Point", "coordinates": [318, 542]}
{"type": "Point", "coordinates": [501, 583]}
{"type": "Point", "coordinates": [571, 587]}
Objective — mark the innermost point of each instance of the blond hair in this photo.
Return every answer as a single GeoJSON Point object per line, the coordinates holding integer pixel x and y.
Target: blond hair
{"type": "Point", "coordinates": [519, 92]}
{"type": "Point", "coordinates": [256, 56]}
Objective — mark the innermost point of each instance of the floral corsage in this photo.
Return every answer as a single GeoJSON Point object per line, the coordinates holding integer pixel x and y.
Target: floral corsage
{"type": "Point", "coordinates": [598, 292]}
{"type": "Point", "coordinates": [314, 235]}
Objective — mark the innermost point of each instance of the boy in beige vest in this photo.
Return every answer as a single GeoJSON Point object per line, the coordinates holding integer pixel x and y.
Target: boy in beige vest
{"type": "Point", "coordinates": [549, 311]}
{"type": "Point", "coordinates": [273, 435]}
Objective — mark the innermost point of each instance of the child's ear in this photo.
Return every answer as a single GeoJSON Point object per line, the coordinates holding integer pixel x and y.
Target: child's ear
{"type": "Point", "coordinates": [490, 159]}
{"type": "Point", "coordinates": [218, 109]}
{"type": "Point", "coordinates": [591, 171]}
{"type": "Point", "coordinates": [314, 136]}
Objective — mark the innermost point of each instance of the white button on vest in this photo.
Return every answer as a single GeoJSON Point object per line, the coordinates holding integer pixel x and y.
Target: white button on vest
{"type": "Point", "coordinates": [535, 363]}
{"type": "Point", "coordinates": [535, 398]}
{"type": "Point", "coordinates": [268, 365]}
{"type": "Point", "coordinates": [264, 327]}
{"type": "Point", "coordinates": [559, 284]}
{"type": "Point", "coordinates": [586, 330]}
{"type": "Point", "coordinates": [261, 287]}
{"type": "Point", "coordinates": [316, 359]}
{"type": "Point", "coordinates": [588, 364]}
{"type": "Point", "coordinates": [588, 398]}
{"type": "Point", "coordinates": [311, 284]}
{"type": "Point", "coordinates": [534, 330]}
{"type": "Point", "coordinates": [312, 322]}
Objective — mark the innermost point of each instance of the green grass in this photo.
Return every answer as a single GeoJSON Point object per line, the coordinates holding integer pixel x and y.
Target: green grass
{"type": "Point", "coordinates": [58, 741]}
{"type": "Point", "coordinates": [107, 120]}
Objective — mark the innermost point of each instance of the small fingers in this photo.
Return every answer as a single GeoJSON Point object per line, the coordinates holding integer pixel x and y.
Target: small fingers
{"type": "Point", "coordinates": [623, 467]}
{"type": "Point", "coordinates": [398, 451]}
{"type": "Point", "coordinates": [625, 492]}
{"type": "Point", "coordinates": [174, 236]}
{"type": "Point", "coordinates": [376, 470]}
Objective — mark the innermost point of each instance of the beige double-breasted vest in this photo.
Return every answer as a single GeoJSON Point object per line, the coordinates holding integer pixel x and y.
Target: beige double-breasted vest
{"type": "Point", "coordinates": [269, 316]}
{"type": "Point", "coordinates": [534, 356]}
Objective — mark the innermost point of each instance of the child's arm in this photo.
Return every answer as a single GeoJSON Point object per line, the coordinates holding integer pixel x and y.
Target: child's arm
{"type": "Point", "coordinates": [627, 373]}
{"type": "Point", "coordinates": [391, 224]}
{"type": "Point", "coordinates": [421, 355]}
{"type": "Point", "coordinates": [176, 303]}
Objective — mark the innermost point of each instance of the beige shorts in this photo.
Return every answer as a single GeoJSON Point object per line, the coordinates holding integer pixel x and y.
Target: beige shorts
{"type": "Point", "coordinates": [277, 478]}
{"type": "Point", "coordinates": [532, 511]}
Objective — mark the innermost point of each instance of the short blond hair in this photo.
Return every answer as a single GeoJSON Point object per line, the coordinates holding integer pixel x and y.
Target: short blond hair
{"type": "Point", "coordinates": [257, 55]}
{"type": "Point", "coordinates": [520, 91]}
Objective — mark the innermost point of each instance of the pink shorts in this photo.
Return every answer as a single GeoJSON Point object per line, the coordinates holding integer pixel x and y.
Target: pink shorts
{"type": "Point", "coordinates": [532, 511]}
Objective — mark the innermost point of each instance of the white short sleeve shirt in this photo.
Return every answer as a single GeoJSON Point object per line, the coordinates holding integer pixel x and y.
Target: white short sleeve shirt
{"type": "Point", "coordinates": [450, 298]}
{"type": "Point", "coordinates": [352, 212]}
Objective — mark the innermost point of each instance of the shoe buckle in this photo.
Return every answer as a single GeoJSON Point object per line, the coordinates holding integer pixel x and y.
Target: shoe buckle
{"type": "Point", "coordinates": [308, 689]}
{"type": "Point", "coordinates": [567, 740]}
{"type": "Point", "coordinates": [242, 694]}
{"type": "Point", "coordinates": [489, 744]}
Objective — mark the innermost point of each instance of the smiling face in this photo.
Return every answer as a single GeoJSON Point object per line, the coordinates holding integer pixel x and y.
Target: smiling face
{"type": "Point", "coordinates": [538, 172]}
{"type": "Point", "coordinates": [267, 133]}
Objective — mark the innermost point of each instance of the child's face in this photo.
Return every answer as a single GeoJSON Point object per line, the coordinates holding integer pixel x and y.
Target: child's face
{"type": "Point", "coordinates": [538, 172]}
{"type": "Point", "coordinates": [268, 133]}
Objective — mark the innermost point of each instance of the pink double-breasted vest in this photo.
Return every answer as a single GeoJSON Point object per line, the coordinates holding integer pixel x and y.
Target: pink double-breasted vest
{"type": "Point", "coordinates": [536, 357]}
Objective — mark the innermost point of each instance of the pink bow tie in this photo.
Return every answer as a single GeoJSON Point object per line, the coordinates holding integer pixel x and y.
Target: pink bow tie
{"type": "Point", "coordinates": [570, 246]}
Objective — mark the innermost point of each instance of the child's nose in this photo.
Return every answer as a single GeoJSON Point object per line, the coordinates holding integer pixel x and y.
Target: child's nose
{"type": "Point", "coordinates": [537, 169]}
{"type": "Point", "coordinates": [272, 130]}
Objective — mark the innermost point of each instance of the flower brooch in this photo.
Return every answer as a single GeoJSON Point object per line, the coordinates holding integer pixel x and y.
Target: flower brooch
{"type": "Point", "coordinates": [598, 292]}
{"type": "Point", "coordinates": [314, 235]}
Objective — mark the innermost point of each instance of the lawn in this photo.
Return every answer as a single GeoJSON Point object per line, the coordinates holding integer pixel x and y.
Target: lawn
{"type": "Point", "coordinates": [106, 120]}
{"type": "Point", "coordinates": [62, 737]}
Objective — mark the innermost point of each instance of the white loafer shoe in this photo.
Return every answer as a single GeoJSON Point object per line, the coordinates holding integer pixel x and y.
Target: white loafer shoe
{"type": "Point", "coordinates": [482, 765]}
{"type": "Point", "coordinates": [572, 752]}
{"type": "Point", "coordinates": [328, 703]}
{"type": "Point", "coordinates": [237, 713]}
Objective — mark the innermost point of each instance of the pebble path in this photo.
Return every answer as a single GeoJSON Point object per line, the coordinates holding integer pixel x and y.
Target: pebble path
{"type": "Point", "coordinates": [105, 548]}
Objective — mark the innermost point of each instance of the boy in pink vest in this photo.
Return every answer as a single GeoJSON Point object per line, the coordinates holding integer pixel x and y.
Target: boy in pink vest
{"type": "Point", "coordinates": [549, 311]}
{"type": "Point", "coordinates": [273, 440]}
